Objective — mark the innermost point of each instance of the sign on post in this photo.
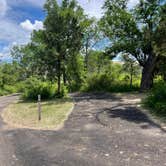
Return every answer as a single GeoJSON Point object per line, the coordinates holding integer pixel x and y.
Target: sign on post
{"type": "Point", "coordinates": [39, 107]}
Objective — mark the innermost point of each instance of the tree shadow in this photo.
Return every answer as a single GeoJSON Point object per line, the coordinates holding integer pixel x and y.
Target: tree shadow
{"type": "Point", "coordinates": [94, 95]}
{"type": "Point", "coordinates": [131, 114]}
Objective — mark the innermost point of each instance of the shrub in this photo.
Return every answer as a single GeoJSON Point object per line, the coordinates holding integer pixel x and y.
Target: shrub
{"type": "Point", "coordinates": [7, 89]}
{"type": "Point", "coordinates": [10, 89]}
{"type": "Point", "coordinates": [97, 82]}
{"type": "Point", "coordinates": [74, 86]}
{"type": "Point", "coordinates": [156, 99]}
{"type": "Point", "coordinates": [107, 82]}
{"type": "Point", "coordinates": [3, 92]}
{"type": "Point", "coordinates": [33, 87]}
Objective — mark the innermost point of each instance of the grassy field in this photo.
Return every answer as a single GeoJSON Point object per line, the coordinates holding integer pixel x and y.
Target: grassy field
{"type": "Point", "coordinates": [25, 114]}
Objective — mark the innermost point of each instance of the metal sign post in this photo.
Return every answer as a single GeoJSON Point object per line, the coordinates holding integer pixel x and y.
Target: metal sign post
{"type": "Point", "coordinates": [39, 107]}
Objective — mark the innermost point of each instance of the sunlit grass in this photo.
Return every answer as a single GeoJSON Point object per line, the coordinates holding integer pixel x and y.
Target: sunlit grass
{"type": "Point", "coordinates": [25, 114]}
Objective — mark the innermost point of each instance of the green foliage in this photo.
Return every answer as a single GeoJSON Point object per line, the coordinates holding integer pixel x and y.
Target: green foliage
{"type": "Point", "coordinates": [9, 78]}
{"type": "Point", "coordinates": [157, 99]}
{"type": "Point", "coordinates": [108, 83]}
{"type": "Point", "coordinates": [97, 82]}
{"type": "Point", "coordinates": [131, 67]}
{"type": "Point", "coordinates": [9, 74]}
{"type": "Point", "coordinates": [3, 92]}
{"type": "Point", "coordinates": [64, 51]}
{"type": "Point", "coordinates": [52, 52]}
{"type": "Point", "coordinates": [122, 27]}
{"type": "Point", "coordinates": [33, 87]}
{"type": "Point", "coordinates": [97, 62]}
{"type": "Point", "coordinates": [8, 89]}
{"type": "Point", "coordinates": [75, 73]}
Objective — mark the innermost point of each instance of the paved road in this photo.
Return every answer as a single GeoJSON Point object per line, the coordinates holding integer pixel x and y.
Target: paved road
{"type": "Point", "coordinates": [103, 130]}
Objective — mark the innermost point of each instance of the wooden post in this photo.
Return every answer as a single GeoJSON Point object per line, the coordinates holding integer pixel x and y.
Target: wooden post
{"type": "Point", "coordinates": [39, 107]}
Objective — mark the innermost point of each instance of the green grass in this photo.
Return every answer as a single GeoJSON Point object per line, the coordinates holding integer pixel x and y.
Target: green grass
{"type": "Point", "coordinates": [25, 114]}
{"type": "Point", "coordinates": [156, 100]}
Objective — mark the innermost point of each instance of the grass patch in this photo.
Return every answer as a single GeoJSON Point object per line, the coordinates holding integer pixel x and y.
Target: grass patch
{"type": "Point", "coordinates": [156, 100]}
{"type": "Point", "coordinates": [25, 114]}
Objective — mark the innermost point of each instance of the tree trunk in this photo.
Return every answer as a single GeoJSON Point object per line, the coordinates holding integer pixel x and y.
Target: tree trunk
{"type": "Point", "coordinates": [164, 77]}
{"type": "Point", "coordinates": [131, 75]}
{"type": "Point", "coordinates": [64, 76]}
{"type": "Point", "coordinates": [148, 74]}
{"type": "Point", "coordinates": [86, 57]}
{"type": "Point", "coordinates": [131, 80]}
{"type": "Point", "coordinates": [59, 77]}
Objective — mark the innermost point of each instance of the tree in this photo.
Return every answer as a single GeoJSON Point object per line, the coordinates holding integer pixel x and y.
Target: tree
{"type": "Point", "coordinates": [62, 34]}
{"type": "Point", "coordinates": [160, 44]}
{"type": "Point", "coordinates": [92, 36]}
{"type": "Point", "coordinates": [134, 32]}
{"type": "Point", "coordinates": [98, 62]}
{"type": "Point", "coordinates": [130, 66]}
{"type": "Point", "coordinates": [53, 49]}
{"type": "Point", "coordinates": [27, 57]}
{"type": "Point", "coordinates": [9, 74]}
{"type": "Point", "coordinates": [160, 36]}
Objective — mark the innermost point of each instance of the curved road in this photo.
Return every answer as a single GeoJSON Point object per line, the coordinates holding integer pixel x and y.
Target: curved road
{"type": "Point", "coordinates": [103, 130]}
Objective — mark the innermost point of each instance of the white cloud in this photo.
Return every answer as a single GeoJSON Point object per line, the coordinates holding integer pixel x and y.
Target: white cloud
{"type": "Point", "coordinates": [3, 7]}
{"type": "Point", "coordinates": [1, 55]}
{"type": "Point", "coordinates": [92, 7]}
{"type": "Point", "coordinates": [11, 32]}
{"type": "Point", "coordinates": [27, 25]}
{"type": "Point", "coordinates": [132, 3]}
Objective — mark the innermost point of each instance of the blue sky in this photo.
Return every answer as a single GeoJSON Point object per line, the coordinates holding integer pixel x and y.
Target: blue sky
{"type": "Point", "coordinates": [19, 17]}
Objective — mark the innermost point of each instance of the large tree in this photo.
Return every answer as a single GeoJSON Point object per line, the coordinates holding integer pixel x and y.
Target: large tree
{"type": "Point", "coordinates": [53, 49]}
{"type": "Point", "coordinates": [63, 33]}
{"type": "Point", "coordinates": [134, 32]}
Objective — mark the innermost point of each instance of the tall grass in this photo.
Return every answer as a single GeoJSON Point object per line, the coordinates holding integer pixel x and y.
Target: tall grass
{"type": "Point", "coordinates": [156, 99]}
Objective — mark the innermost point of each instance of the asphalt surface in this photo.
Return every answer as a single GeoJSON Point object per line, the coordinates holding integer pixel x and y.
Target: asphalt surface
{"type": "Point", "coordinates": [103, 130]}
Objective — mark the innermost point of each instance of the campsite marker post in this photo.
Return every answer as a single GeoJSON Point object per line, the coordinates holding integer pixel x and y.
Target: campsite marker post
{"type": "Point", "coordinates": [39, 107]}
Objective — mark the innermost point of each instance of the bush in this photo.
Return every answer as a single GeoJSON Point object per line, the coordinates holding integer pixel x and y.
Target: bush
{"type": "Point", "coordinates": [10, 89]}
{"type": "Point", "coordinates": [74, 86]}
{"type": "Point", "coordinates": [7, 89]}
{"type": "Point", "coordinates": [33, 87]}
{"type": "Point", "coordinates": [156, 99]}
{"type": "Point", "coordinates": [97, 82]}
{"type": "Point", "coordinates": [3, 92]}
{"type": "Point", "coordinates": [106, 83]}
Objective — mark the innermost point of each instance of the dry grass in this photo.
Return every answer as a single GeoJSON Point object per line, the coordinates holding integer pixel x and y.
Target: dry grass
{"type": "Point", "coordinates": [25, 114]}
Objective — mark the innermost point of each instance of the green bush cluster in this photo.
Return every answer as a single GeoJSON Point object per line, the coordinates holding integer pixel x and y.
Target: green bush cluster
{"type": "Point", "coordinates": [108, 83]}
{"type": "Point", "coordinates": [33, 87]}
{"type": "Point", "coordinates": [7, 89]}
{"type": "Point", "coordinates": [97, 82]}
{"type": "Point", "coordinates": [156, 100]}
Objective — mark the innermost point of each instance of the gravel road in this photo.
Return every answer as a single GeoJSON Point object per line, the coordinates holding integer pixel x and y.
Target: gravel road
{"type": "Point", "coordinates": [103, 130]}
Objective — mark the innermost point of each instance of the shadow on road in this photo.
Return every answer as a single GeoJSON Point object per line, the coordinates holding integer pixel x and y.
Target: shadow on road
{"type": "Point", "coordinates": [131, 114]}
{"type": "Point", "coordinates": [95, 95]}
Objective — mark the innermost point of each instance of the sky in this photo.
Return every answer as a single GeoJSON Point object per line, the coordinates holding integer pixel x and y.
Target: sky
{"type": "Point", "coordinates": [18, 18]}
